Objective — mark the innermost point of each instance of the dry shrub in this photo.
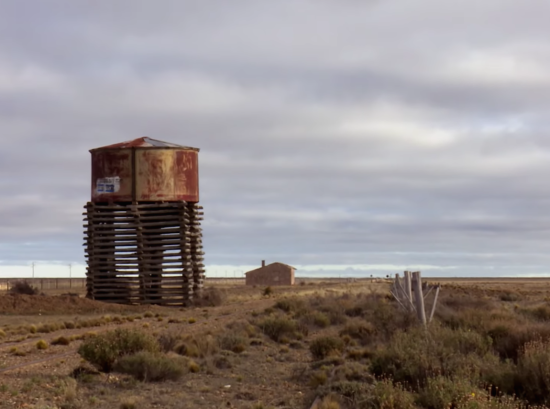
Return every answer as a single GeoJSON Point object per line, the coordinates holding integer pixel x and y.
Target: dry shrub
{"type": "Point", "coordinates": [510, 337]}
{"type": "Point", "coordinates": [322, 347]}
{"type": "Point", "coordinates": [68, 388]}
{"type": "Point", "coordinates": [361, 331]}
{"type": "Point", "coordinates": [334, 307]}
{"type": "Point", "coordinates": [232, 341]}
{"type": "Point", "coordinates": [222, 362]}
{"type": "Point", "coordinates": [383, 394]}
{"type": "Point", "coordinates": [47, 328]}
{"type": "Point", "coordinates": [328, 362]}
{"type": "Point", "coordinates": [540, 313]}
{"type": "Point", "coordinates": [42, 344]}
{"type": "Point", "coordinates": [462, 302]}
{"type": "Point", "coordinates": [84, 371]}
{"type": "Point", "coordinates": [390, 395]}
{"type": "Point", "coordinates": [294, 305]}
{"type": "Point", "coordinates": [169, 340]}
{"type": "Point", "coordinates": [152, 367]}
{"type": "Point", "coordinates": [193, 366]}
{"type": "Point", "coordinates": [242, 326]}
{"type": "Point", "coordinates": [210, 297]}
{"type": "Point", "coordinates": [23, 288]}
{"type": "Point", "coordinates": [105, 349]}
{"type": "Point", "coordinates": [533, 372]}
{"type": "Point", "coordinates": [358, 354]}
{"type": "Point", "coordinates": [61, 341]}
{"type": "Point", "coordinates": [197, 346]}
{"type": "Point", "coordinates": [267, 292]}
{"type": "Point", "coordinates": [318, 378]}
{"type": "Point", "coordinates": [446, 392]}
{"type": "Point", "coordinates": [509, 296]}
{"type": "Point", "coordinates": [358, 395]}
{"type": "Point", "coordinates": [353, 371]}
{"type": "Point", "coordinates": [329, 402]}
{"type": "Point", "coordinates": [355, 311]}
{"type": "Point", "coordinates": [128, 403]}
{"type": "Point", "coordinates": [413, 356]}
{"type": "Point", "coordinates": [315, 319]}
{"type": "Point", "coordinates": [278, 327]}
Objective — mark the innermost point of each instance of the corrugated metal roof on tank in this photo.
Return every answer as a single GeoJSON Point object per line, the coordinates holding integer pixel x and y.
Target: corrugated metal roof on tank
{"type": "Point", "coordinates": [144, 142]}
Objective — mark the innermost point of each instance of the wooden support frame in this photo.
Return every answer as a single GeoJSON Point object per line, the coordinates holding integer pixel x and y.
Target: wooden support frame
{"type": "Point", "coordinates": [144, 253]}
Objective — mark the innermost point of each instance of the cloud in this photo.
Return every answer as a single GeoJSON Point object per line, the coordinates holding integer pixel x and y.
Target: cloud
{"type": "Point", "coordinates": [350, 133]}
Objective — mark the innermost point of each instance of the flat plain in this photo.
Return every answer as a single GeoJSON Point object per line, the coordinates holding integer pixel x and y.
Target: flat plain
{"type": "Point", "coordinates": [324, 344]}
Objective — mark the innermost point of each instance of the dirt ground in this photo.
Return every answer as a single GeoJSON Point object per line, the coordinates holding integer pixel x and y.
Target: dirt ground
{"type": "Point", "coordinates": [259, 377]}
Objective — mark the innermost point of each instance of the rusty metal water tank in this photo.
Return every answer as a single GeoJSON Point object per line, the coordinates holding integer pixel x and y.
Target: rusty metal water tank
{"type": "Point", "coordinates": [145, 170]}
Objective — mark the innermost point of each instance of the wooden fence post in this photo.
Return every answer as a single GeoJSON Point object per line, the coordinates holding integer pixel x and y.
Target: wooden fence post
{"type": "Point", "coordinates": [434, 304]}
{"type": "Point", "coordinates": [408, 290]}
{"type": "Point", "coordinates": [419, 297]}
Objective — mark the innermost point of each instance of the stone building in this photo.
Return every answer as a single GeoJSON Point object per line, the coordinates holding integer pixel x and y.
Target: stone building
{"type": "Point", "coordinates": [272, 274]}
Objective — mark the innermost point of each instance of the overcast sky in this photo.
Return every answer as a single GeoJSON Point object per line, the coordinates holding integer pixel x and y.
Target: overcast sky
{"type": "Point", "coordinates": [376, 134]}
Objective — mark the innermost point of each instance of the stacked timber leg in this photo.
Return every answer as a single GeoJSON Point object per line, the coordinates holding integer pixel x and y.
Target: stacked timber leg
{"type": "Point", "coordinates": [197, 255]}
{"type": "Point", "coordinates": [144, 253]}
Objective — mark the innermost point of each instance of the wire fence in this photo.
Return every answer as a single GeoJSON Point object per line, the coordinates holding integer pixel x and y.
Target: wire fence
{"type": "Point", "coordinates": [79, 283]}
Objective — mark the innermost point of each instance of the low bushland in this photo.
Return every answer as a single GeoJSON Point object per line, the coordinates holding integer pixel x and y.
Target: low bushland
{"type": "Point", "coordinates": [362, 351]}
{"type": "Point", "coordinates": [481, 351]}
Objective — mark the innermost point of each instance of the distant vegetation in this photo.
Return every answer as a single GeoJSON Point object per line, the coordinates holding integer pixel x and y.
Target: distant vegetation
{"type": "Point", "coordinates": [23, 287]}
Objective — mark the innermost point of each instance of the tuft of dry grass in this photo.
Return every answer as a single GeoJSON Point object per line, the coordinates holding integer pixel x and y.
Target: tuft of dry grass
{"type": "Point", "coordinates": [323, 347]}
{"type": "Point", "coordinates": [329, 402]}
{"type": "Point", "coordinates": [61, 341]}
{"type": "Point", "coordinates": [42, 344]}
{"type": "Point", "coordinates": [128, 403]}
{"type": "Point", "coordinates": [233, 341]}
{"type": "Point", "coordinates": [151, 367]}
{"type": "Point", "coordinates": [197, 346]}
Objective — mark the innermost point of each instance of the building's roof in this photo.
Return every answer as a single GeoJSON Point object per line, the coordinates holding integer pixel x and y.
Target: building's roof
{"type": "Point", "coordinates": [276, 262]}
{"type": "Point", "coordinates": [145, 142]}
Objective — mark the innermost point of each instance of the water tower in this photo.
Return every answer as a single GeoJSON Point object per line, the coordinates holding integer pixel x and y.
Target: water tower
{"type": "Point", "coordinates": [143, 235]}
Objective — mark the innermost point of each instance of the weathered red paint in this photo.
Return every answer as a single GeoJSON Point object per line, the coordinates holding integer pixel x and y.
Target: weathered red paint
{"type": "Point", "coordinates": [156, 170]}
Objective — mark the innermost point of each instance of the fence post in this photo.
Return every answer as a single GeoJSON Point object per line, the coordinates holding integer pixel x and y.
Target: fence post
{"type": "Point", "coordinates": [419, 297]}
{"type": "Point", "coordinates": [434, 304]}
{"type": "Point", "coordinates": [408, 290]}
